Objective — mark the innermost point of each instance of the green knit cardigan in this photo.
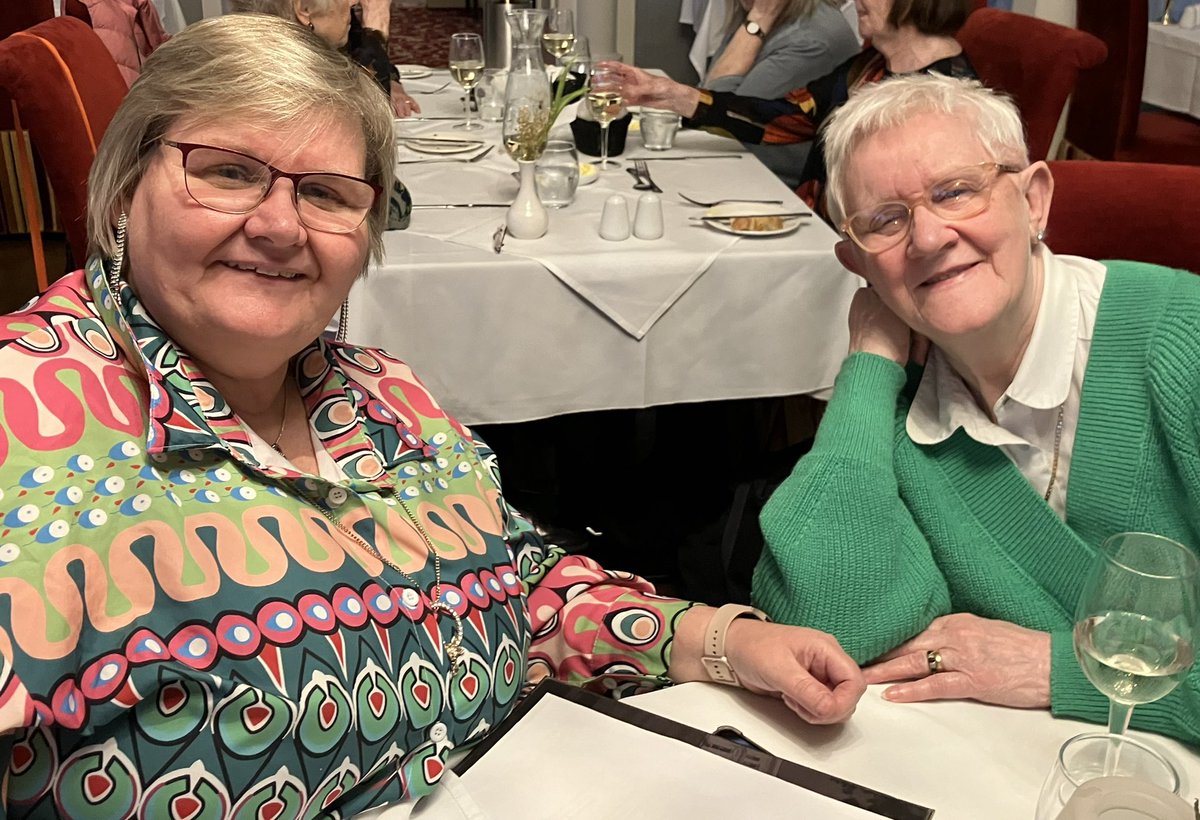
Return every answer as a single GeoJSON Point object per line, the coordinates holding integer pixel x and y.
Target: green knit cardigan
{"type": "Point", "coordinates": [873, 536]}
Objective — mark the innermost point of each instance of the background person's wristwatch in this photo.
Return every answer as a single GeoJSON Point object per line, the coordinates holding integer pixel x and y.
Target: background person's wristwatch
{"type": "Point", "coordinates": [754, 28]}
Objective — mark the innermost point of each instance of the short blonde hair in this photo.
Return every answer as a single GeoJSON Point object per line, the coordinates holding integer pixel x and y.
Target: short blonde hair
{"type": "Point", "coordinates": [895, 101]}
{"type": "Point", "coordinates": [248, 68]}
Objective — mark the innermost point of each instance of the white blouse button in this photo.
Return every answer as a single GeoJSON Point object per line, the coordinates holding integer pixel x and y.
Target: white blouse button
{"type": "Point", "coordinates": [410, 597]}
{"type": "Point", "coordinates": [437, 732]}
{"type": "Point", "coordinates": [337, 496]}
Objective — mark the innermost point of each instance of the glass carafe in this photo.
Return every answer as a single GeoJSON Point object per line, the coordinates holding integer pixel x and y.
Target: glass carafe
{"type": "Point", "coordinates": [526, 118]}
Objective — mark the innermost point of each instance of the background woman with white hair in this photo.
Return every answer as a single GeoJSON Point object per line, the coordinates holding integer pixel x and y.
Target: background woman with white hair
{"type": "Point", "coordinates": [946, 517]}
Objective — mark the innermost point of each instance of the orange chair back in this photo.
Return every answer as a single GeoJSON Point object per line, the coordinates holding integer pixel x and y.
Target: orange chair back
{"type": "Point", "coordinates": [1126, 210]}
{"type": "Point", "coordinates": [1035, 61]}
{"type": "Point", "coordinates": [65, 88]}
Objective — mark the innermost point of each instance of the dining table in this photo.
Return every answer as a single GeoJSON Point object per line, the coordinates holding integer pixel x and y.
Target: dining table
{"type": "Point", "coordinates": [963, 759]}
{"type": "Point", "coordinates": [571, 322]}
{"type": "Point", "coordinates": [1172, 78]}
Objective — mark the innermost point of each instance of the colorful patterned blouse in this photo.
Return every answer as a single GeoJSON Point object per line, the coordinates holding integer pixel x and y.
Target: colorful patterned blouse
{"type": "Point", "coordinates": [185, 633]}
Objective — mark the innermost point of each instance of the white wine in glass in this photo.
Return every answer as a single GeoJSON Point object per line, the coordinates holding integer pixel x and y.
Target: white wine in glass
{"type": "Point", "coordinates": [1135, 626]}
{"type": "Point", "coordinates": [559, 34]}
{"type": "Point", "coordinates": [466, 67]}
{"type": "Point", "coordinates": [604, 100]}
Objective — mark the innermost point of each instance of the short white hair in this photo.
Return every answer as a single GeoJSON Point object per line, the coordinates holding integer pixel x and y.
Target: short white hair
{"type": "Point", "coordinates": [894, 101]}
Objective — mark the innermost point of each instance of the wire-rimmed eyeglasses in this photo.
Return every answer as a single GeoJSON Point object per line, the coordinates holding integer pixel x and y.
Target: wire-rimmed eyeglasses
{"type": "Point", "coordinates": [961, 195]}
{"type": "Point", "coordinates": [235, 183]}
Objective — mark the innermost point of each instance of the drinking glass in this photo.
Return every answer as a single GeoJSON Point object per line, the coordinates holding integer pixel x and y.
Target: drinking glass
{"type": "Point", "coordinates": [466, 67]}
{"type": "Point", "coordinates": [556, 173]}
{"type": "Point", "coordinates": [604, 101]}
{"type": "Point", "coordinates": [490, 94]}
{"type": "Point", "coordinates": [658, 129]}
{"type": "Point", "coordinates": [1142, 776]}
{"type": "Point", "coordinates": [1135, 625]}
{"type": "Point", "coordinates": [559, 35]}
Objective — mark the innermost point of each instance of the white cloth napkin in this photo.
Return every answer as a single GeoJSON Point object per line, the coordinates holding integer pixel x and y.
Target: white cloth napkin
{"type": "Point", "coordinates": [617, 278]}
{"type": "Point", "coordinates": [1190, 17]}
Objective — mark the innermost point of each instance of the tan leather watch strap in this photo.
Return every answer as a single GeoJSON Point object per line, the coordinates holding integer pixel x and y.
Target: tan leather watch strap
{"type": "Point", "coordinates": [714, 660]}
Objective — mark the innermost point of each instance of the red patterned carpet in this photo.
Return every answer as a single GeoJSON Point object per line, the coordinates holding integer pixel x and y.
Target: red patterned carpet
{"type": "Point", "coordinates": [422, 36]}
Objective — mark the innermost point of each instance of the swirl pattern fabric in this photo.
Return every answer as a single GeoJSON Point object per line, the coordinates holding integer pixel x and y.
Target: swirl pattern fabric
{"type": "Point", "coordinates": [184, 633]}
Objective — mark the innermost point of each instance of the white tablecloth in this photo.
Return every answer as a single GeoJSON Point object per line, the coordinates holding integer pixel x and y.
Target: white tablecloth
{"type": "Point", "coordinates": [500, 338]}
{"type": "Point", "coordinates": [965, 760]}
{"type": "Point", "coordinates": [1173, 68]}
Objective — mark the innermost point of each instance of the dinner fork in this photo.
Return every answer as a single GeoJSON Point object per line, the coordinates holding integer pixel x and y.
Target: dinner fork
{"type": "Point", "coordinates": [719, 201]}
{"type": "Point", "coordinates": [643, 172]}
{"type": "Point", "coordinates": [440, 88]}
{"type": "Point", "coordinates": [475, 158]}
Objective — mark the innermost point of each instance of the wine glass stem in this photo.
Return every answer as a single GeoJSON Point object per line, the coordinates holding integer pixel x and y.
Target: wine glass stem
{"type": "Point", "coordinates": [603, 145]}
{"type": "Point", "coordinates": [469, 99]}
{"type": "Point", "coordinates": [1118, 717]}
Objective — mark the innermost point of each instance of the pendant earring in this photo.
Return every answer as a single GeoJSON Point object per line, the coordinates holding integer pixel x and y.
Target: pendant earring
{"type": "Point", "coordinates": [343, 322]}
{"type": "Point", "coordinates": [118, 260]}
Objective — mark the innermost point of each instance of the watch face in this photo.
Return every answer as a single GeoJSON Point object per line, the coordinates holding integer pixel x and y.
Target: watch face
{"type": "Point", "coordinates": [753, 28]}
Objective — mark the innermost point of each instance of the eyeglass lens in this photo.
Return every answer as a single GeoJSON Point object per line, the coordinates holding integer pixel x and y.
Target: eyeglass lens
{"type": "Point", "coordinates": [230, 182]}
{"type": "Point", "coordinates": [962, 195]}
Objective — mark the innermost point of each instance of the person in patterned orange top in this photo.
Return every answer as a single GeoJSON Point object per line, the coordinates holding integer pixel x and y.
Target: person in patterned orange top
{"type": "Point", "coordinates": [249, 571]}
{"type": "Point", "coordinates": [905, 36]}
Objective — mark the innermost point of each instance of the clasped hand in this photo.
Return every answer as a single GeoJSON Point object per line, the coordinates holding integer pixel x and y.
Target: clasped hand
{"type": "Point", "coordinates": [985, 660]}
{"type": "Point", "coordinates": [807, 669]}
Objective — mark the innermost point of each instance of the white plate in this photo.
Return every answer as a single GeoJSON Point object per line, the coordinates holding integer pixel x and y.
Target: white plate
{"type": "Point", "coordinates": [413, 72]}
{"type": "Point", "coordinates": [588, 173]}
{"type": "Point", "coordinates": [790, 223]}
{"type": "Point", "coordinates": [429, 144]}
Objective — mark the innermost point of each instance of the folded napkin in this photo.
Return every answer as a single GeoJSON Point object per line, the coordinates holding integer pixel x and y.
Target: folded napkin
{"type": "Point", "coordinates": [1190, 17]}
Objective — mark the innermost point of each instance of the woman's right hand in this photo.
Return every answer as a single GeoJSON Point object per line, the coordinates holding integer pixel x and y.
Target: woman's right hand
{"type": "Point", "coordinates": [643, 88]}
{"type": "Point", "coordinates": [874, 328]}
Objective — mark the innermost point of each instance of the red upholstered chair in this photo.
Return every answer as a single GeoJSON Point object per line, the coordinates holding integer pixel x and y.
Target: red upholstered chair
{"type": "Point", "coordinates": [18, 16]}
{"type": "Point", "coordinates": [65, 89]}
{"type": "Point", "coordinates": [1035, 61]}
{"type": "Point", "coordinates": [1106, 120]}
{"type": "Point", "coordinates": [1126, 210]}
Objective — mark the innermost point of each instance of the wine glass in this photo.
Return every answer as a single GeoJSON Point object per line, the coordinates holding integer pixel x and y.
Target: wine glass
{"type": "Point", "coordinates": [1135, 626]}
{"type": "Point", "coordinates": [559, 34]}
{"type": "Point", "coordinates": [466, 67]}
{"type": "Point", "coordinates": [604, 101]}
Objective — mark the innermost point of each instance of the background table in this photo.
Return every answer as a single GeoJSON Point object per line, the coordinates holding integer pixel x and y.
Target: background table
{"type": "Point", "coordinates": [965, 760]}
{"type": "Point", "coordinates": [499, 338]}
{"type": "Point", "coordinates": [1172, 77]}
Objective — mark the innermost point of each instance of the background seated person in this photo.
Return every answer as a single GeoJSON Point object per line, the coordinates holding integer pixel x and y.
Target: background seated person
{"type": "Point", "coordinates": [340, 23]}
{"type": "Point", "coordinates": [773, 46]}
{"type": "Point", "coordinates": [251, 565]}
{"type": "Point", "coordinates": [957, 509]}
{"type": "Point", "coordinates": [906, 36]}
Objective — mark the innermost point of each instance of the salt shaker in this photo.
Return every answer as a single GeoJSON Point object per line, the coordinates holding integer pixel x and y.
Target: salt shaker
{"type": "Point", "coordinates": [648, 220]}
{"type": "Point", "coordinates": [614, 219]}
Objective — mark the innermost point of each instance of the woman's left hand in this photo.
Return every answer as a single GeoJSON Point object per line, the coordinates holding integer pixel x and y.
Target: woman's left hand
{"type": "Point", "coordinates": [402, 104]}
{"type": "Point", "coordinates": [808, 669]}
{"type": "Point", "coordinates": [981, 659]}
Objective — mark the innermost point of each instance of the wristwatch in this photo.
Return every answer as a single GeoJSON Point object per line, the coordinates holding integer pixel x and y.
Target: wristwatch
{"type": "Point", "coordinates": [754, 28]}
{"type": "Point", "coordinates": [714, 661]}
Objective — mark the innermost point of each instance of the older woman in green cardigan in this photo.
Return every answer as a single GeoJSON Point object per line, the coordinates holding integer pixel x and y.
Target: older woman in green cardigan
{"type": "Point", "coordinates": [945, 519]}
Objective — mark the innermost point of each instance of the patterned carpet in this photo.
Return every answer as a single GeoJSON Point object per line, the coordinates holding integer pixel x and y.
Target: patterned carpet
{"type": "Point", "coordinates": [422, 36]}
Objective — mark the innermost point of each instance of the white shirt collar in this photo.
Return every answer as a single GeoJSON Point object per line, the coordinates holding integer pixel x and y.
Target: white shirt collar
{"type": "Point", "coordinates": [943, 403]}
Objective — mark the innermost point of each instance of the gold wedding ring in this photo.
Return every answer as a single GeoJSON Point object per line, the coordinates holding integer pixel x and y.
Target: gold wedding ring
{"type": "Point", "coordinates": [934, 659]}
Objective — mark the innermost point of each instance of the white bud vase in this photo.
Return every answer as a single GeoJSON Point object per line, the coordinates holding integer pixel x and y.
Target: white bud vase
{"type": "Point", "coordinates": [527, 217]}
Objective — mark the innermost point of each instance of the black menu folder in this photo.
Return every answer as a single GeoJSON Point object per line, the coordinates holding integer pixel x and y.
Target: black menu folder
{"type": "Point", "coordinates": [878, 803]}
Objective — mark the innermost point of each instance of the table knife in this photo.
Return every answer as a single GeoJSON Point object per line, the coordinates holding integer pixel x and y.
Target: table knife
{"type": "Point", "coordinates": [741, 216]}
{"type": "Point", "coordinates": [464, 205]}
{"type": "Point", "coordinates": [692, 156]}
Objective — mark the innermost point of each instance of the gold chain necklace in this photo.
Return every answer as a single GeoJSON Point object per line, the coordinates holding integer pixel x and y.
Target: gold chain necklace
{"type": "Point", "coordinates": [282, 421]}
{"type": "Point", "coordinates": [1058, 428]}
{"type": "Point", "coordinates": [453, 647]}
